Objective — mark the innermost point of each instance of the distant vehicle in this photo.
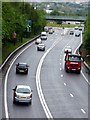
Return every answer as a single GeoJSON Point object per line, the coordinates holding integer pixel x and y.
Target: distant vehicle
{"type": "Point", "coordinates": [76, 28]}
{"type": "Point", "coordinates": [41, 47]}
{"type": "Point", "coordinates": [80, 29]}
{"type": "Point", "coordinates": [71, 32]}
{"type": "Point", "coordinates": [38, 41]}
{"type": "Point", "coordinates": [22, 93]}
{"type": "Point", "coordinates": [43, 36]}
{"type": "Point", "coordinates": [77, 33]}
{"type": "Point", "coordinates": [51, 30]}
{"type": "Point", "coordinates": [22, 68]}
{"type": "Point", "coordinates": [46, 29]}
{"type": "Point", "coordinates": [68, 48]}
{"type": "Point", "coordinates": [73, 63]}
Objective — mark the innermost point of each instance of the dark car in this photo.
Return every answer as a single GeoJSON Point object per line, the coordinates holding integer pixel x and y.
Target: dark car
{"type": "Point", "coordinates": [22, 93]}
{"type": "Point", "coordinates": [41, 47]}
{"type": "Point", "coordinates": [71, 33]}
{"type": "Point", "coordinates": [22, 68]}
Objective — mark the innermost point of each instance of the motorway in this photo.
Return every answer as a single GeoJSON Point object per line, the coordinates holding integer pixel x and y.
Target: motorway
{"type": "Point", "coordinates": [56, 94]}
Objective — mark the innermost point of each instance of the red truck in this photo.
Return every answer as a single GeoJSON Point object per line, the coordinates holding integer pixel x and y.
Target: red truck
{"type": "Point", "coordinates": [73, 63]}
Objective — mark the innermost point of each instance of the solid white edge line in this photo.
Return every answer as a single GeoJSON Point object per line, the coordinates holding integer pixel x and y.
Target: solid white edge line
{"type": "Point", "coordinates": [81, 70]}
{"type": "Point", "coordinates": [5, 84]}
{"type": "Point", "coordinates": [38, 84]}
{"type": "Point", "coordinates": [83, 111]}
{"type": "Point", "coordinates": [71, 95]}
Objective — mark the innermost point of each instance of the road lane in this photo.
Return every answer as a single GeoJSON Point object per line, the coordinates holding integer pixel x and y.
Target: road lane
{"type": "Point", "coordinates": [32, 57]}
{"type": "Point", "coordinates": [57, 89]}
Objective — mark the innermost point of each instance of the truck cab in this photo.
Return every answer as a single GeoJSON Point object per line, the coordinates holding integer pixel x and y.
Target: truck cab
{"type": "Point", "coordinates": [73, 63]}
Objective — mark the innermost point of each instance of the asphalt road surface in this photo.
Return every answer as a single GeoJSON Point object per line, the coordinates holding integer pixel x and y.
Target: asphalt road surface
{"type": "Point", "coordinates": [64, 95]}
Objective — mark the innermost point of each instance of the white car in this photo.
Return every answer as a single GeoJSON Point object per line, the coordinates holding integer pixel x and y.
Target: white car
{"type": "Point", "coordinates": [43, 36]}
{"type": "Point", "coordinates": [76, 28]}
{"type": "Point", "coordinates": [41, 47]}
{"type": "Point", "coordinates": [68, 48]}
{"type": "Point", "coordinates": [22, 93]}
{"type": "Point", "coordinates": [77, 34]}
{"type": "Point", "coordinates": [38, 41]}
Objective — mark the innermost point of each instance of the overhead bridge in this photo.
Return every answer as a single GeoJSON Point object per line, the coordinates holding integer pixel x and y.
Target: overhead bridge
{"type": "Point", "coordinates": [66, 18]}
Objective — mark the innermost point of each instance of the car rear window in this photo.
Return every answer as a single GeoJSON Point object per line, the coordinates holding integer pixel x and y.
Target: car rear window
{"type": "Point", "coordinates": [23, 90]}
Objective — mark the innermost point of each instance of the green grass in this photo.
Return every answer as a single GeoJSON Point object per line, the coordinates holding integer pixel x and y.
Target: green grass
{"type": "Point", "coordinates": [9, 47]}
{"type": "Point", "coordinates": [63, 25]}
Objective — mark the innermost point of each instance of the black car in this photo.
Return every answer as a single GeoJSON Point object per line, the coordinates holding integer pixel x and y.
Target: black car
{"type": "Point", "coordinates": [71, 32]}
{"type": "Point", "coordinates": [22, 68]}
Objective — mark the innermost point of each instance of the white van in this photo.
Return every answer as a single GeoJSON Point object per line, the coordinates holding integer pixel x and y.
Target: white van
{"type": "Point", "coordinates": [43, 36]}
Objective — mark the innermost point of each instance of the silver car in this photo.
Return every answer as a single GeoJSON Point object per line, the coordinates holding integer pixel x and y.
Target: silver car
{"type": "Point", "coordinates": [22, 93]}
{"type": "Point", "coordinates": [68, 48]}
{"type": "Point", "coordinates": [41, 47]}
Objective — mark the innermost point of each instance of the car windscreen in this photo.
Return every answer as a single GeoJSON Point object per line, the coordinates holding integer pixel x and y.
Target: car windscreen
{"type": "Point", "coordinates": [22, 66]}
{"type": "Point", "coordinates": [75, 58]}
{"type": "Point", "coordinates": [43, 34]}
{"type": "Point", "coordinates": [23, 90]}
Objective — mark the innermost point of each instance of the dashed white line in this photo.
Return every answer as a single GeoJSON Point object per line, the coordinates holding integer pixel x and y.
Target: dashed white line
{"type": "Point", "coordinates": [83, 111]}
{"type": "Point", "coordinates": [60, 69]}
{"type": "Point", "coordinates": [61, 75]}
{"type": "Point", "coordinates": [85, 78]}
{"type": "Point", "coordinates": [71, 95]}
{"type": "Point", "coordinates": [65, 84]}
{"type": "Point", "coordinates": [60, 63]}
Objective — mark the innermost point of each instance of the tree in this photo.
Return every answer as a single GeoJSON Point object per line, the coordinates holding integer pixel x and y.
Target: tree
{"type": "Point", "coordinates": [86, 42]}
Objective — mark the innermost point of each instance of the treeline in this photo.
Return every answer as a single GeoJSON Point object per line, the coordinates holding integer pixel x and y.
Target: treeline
{"type": "Point", "coordinates": [86, 42]}
{"type": "Point", "coordinates": [15, 17]}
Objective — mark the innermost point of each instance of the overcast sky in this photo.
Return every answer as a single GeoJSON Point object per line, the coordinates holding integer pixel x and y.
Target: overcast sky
{"type": "Point", "coordinates": [57, 1]}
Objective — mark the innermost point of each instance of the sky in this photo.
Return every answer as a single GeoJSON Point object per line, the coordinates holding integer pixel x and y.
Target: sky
{"type": "Point", "coordinates": [78, 1]}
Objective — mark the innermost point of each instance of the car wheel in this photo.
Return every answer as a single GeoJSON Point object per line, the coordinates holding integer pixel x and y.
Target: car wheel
{"type": "Point", "coordinates": [14, 102]}
{"type": "Point", "coordinates": [27, 72]}
{"type": "Point", "coordinates": [30, 102]}
{"type": "Point", "coordinates": [16, 72]}
{"type": "Point", "coordinates": [78, 72]}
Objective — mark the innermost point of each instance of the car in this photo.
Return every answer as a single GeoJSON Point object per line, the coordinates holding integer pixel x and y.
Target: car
{"type": "Point", "coordinates": [80, 29]}
{"type": "Point", "coordinates": [46, 29]}
{"type": "Point", "coordinates": [51, 31]}
{"type": "Point", "coordinates": [71, 32]}
{"type": "Point", "coordinates": [22, 94]}
{"type": "Point", "coordinates": [41, 47]}
{"type": "Point", "coordinates": [38, 41]}
{"type": "Point", "coordinates": [77, 34]}
{"type": "Point", "coordinates": [76, 28]}
{"type": "Point", "coordinates": [22, 68]}
{"type": "Point", "coordinates": [68, 48]}
{"type": "Point", "coordinates": [43, 36]}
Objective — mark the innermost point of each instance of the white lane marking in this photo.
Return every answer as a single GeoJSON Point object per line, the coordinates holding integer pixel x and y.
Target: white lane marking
{"type": "Point", "coordinates": [83, 111]}
{"type": "Point", "coordinates": [60, 63]}
{"type": "Point", "coordinates": [38, 84]}
{"type": "Point", "coordinates": [60, 69]}
{"type": "Point", "coordinates": [39, 89]}
{"type": "Point", "coordinates": [60, 59]}
{"type": "Point", "coordinates": [85, 77]}
{"type": "Point", "coordinates": [65, 84]}
{"type": "Point", "coordinates": [5, 84]}
{"type": "Point", "coordinates": [71, 95]}
{"type": "Point", "coordinates": [81, 70]}
{"type": "Point", "coordinates": [61, 75]}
